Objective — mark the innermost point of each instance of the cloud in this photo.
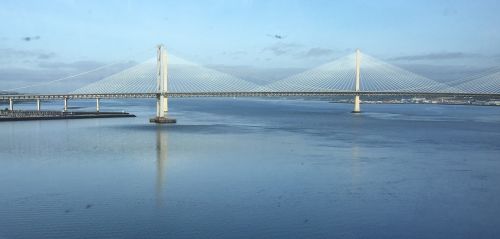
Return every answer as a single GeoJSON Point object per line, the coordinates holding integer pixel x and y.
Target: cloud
{"type": "Point", "coordinates": [45, 56]}
{"type": "Point", "coordinates": [80, 65]}
{"type": "Point", "coordinates": [300, 51]}
{"type": "Point", "coordinates": [280, 48]}
{"type": "Point", "coordinates": [496, 59]}
{"type": "Point", "coordinates": [318, 52]}
{"type": "Point", "coordinates": [9, 53]}
{"type": "Point", "coordinates": [436, 56]}
{"type": "Point", "coordinates": [235, 55]}
{"type": "Point", "coordinates": [449, 11]}
{"type": "Point", "coordinates": [15, 77]}
{"type": "Point", "coordinates": [258, 75]}
{"type": "Point", "coordinates": [445, 73]}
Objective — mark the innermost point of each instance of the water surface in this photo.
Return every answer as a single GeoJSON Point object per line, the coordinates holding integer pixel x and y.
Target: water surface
{"type": "Point", "coordinates": [250, 168]}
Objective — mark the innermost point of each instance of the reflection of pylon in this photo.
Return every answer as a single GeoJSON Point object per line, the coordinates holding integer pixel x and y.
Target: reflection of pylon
{"type": "Point", "coordinates": [161, 163]}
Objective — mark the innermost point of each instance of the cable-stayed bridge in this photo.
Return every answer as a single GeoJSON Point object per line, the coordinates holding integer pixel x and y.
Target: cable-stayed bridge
{"type": "Point", "coordinates": [354, 75]}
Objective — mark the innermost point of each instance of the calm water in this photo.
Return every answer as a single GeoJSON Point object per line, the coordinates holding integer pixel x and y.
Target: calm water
{"type": "Point", "coordinates": [255, 169]}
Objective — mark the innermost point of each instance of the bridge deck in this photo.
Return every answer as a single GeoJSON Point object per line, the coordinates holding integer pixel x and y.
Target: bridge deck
{"type": "Point", "coordinates": [238, 94]}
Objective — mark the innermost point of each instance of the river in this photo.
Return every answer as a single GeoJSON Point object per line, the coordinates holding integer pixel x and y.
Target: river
{"type": "Point", "coordinates": [254, 168]}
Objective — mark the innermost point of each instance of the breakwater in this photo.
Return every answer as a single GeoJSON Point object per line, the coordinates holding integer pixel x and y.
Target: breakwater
{"type": "Point", "coordinates": [22, 115]}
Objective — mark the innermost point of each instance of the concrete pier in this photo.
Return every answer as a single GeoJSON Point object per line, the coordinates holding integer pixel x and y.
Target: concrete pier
{"type": "Point", "coordinates": [65, 104]}
{"type": "Point", "coordinates": [162, 82]}
{"type": "Point", "coordinates": [38, 105]}
{"type": "Point", "coordinates": [97, 106]}
{"type": "Point", "coordinates": [356, 104]}
{"type": "Point", "coordinates": [11, 104]}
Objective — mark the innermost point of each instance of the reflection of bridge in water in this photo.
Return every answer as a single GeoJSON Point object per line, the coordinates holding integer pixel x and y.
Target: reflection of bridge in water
{"type": "Point", "coordinates": [354, 75]}
{"type": "Point", "coordinates": [161, 163]}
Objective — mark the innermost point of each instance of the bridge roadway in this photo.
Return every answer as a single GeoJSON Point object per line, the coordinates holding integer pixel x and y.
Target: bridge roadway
{"type": "Point", "coordinates": [18, 97]}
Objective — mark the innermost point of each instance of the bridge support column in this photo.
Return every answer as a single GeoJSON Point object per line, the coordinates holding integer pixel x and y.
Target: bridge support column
{"type": "Point", "coordinates": [11, 104]}
{"type": "Point", "coordinates": [65, 104]}
{"type": "Point", "coordinates": [356, 105]}
{"type": "Point", "coordinates": [357, 101]}
{"type": "Point", "coordinates": [161, 97]}
{"type": "Point", "coordinates": [97, 106]}
{"type": "Point", "coordinates": [38, 105]}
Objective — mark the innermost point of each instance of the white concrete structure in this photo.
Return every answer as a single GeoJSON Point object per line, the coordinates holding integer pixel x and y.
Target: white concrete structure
{"type": "Point", "coordinates": [38, 105]}
{"type": "Point", "coordinates": [11, 104]}
{"type": "Point", "coordinates": [162, 82]}
{"type": "Point", "coordinates": [65, 104]}
{"type": "Point", "coordinates": [97, 106]}
{"type": "Point", "coordinates": [357, 85]}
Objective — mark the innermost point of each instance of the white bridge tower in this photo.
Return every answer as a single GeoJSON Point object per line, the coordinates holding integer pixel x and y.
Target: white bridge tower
{"type": "Point", "coordinates": [357, 85]}
{"type": "Point", "coordinates": [161, 96]}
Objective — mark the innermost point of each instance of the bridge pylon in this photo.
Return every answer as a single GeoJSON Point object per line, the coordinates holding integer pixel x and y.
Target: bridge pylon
{"type": "Point", "coordinates": [357, 108]}
{"type": "Point", "coordinates": [161, 96]}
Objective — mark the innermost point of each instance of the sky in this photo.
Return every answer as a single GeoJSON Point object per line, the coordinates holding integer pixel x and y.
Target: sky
{"type": "Point", "coordinates": [44, 39]}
